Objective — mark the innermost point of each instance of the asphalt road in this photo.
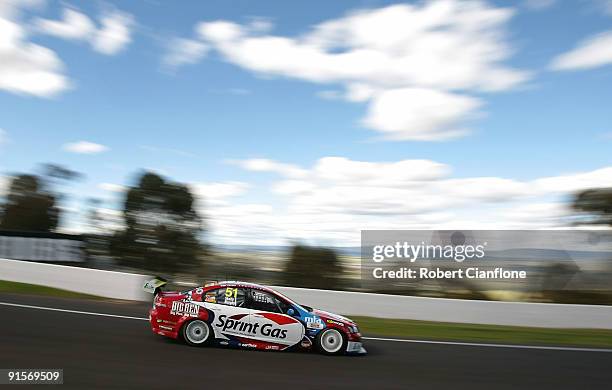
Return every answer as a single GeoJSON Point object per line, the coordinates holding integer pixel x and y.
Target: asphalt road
{"type": "Point", "coordinates": [107, 352]}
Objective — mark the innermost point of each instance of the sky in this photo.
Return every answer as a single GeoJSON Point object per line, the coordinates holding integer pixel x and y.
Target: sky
{"type": "Point", "coordinates": [310, 121]}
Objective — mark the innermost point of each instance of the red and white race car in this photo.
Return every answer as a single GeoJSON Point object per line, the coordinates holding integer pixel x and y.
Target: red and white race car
{"type": "Point", "coordinates": [248, 315]}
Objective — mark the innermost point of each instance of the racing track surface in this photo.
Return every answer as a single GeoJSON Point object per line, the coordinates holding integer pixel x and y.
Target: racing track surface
{"type": "Point", "coordinates": [105, 352]}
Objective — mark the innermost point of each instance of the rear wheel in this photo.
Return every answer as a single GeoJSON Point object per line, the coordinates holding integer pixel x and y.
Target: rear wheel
{"type": "Point", "coordinates": [331, 342]}
{"type": "Point", "coordinates": [196, 332]}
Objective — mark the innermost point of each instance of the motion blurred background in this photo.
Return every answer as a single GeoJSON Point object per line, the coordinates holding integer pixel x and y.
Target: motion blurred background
{"type": "Point", "coordinates": [255, 141]}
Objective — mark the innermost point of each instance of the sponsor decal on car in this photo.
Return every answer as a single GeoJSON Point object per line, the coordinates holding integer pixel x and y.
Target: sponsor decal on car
{"type": "Point", "coordinates": [184, 309]}
{"type": "Point", "coordinates": [314, 323]}
{"type": "Point", "coordinates": [244, 326]}
{"type": "Point", "coordinates": [335, 323]}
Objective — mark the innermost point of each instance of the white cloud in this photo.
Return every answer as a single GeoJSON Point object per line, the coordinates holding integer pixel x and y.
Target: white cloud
{"type": "Point", "coordinates": [329, 94]}
{"type": "Point", "coordinates": [85, 147]}
{"type": "Point", "coordinates": [420, 114]}
{"type": "Point", "coordinates": [25, 67]}
{"type": "Point", "coordinates": [377, 54]}
{"type": "Point", "coordinates": [337, 197]}
{"type": "Point", "coordinates": [405, 172]}
{"type": "Point", "coordinates": [115, 33]}
{"type": "Point", "coordinates": [593, 52]}
{"type": "Point", "coordinates": [74, 25]}
{"type": "Point", "coordinates": [111, 37]}
{"type": "Point", "coordinates": [265, 165]}
{"type": "Point", "coordinates": [110, 187]}
{"type": "Point", "coordinates": [183, 51]}
{"type": "Point", "coordinates": [218, 192]}
{"type": "Point", "coordinates": [400, 44]}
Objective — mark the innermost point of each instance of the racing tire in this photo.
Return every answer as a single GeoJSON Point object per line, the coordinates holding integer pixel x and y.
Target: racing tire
{"type": "Point", "coordinates": [196, 333]}
{"type": "Point", "coordinates": [331, 342]}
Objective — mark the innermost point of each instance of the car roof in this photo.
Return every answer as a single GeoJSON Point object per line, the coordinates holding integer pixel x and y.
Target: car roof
{"type": "Point", "coordinates": [237, 283]}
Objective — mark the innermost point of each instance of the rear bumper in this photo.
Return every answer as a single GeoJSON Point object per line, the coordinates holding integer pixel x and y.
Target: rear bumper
{"type": "Point", "coordinates": [159, 327]}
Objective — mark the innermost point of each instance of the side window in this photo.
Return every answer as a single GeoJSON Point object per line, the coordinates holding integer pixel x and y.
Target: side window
{"type": "Point", "coordinates": [230, 296]}
{"type": "Point", "coordinates": [261, 300]}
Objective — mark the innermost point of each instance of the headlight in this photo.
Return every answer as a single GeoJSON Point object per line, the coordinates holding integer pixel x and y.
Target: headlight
{"type": "Point", "coordinates": [353, 329]}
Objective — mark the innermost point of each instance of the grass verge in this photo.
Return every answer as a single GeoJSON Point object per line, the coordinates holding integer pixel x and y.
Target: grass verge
{"type": "Point", "coordinates": [424, 330]}
{"type": "Point", "coordinates": [33, 289]}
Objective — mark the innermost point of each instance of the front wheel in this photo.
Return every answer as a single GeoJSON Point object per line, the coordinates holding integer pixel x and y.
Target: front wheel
{"type": "Point", "coordinates": [331, 342]}
{"type": "Point", "coordinates": [196, 332]}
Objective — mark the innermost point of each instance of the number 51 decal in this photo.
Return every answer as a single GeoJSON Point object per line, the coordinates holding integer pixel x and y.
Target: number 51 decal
{"type": "Point", "coordinates": [231, 292]}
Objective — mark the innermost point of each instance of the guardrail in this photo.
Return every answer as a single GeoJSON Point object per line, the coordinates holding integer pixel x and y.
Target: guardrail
{"type": "Point", "coordinates": [120, 285]}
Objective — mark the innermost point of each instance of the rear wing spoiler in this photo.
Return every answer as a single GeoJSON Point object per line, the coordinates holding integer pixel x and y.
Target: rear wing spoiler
{"type": "Point", "coordinates": [154, 285]}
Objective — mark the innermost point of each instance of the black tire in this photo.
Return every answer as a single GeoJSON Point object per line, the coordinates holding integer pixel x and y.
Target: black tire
{"type": "Point", "coordinates": [196, 333]}
{"type": "Point", "coordinates": [331, 342]}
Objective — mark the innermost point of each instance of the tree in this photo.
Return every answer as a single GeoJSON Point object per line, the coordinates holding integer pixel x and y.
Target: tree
{"type": "Point", "coordinates": [161, 226]}
{"type": "Point", "coordinates": [29, 207]}
{"type": "Point", "coordinates": [313, 267]}
{"type": "Point", "coordinates": [597, 203]}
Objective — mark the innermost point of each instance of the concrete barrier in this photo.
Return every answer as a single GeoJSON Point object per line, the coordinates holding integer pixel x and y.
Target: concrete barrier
{"type": "Point", "coordinates": [549, 315]}
{"type": "Point", "coordinates": [120, 285]}
{"type": "Point", "coordinates": [116, 285]}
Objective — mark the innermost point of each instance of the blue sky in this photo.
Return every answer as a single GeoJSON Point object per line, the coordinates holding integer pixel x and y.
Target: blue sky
{"type": "Point", "coordinates": [310, 121]}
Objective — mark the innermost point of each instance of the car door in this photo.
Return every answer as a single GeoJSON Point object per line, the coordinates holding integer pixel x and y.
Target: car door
{"type": "Point", "coordinates": [271, 324]}
{"type": "Point", "coordinates": [231, 316]}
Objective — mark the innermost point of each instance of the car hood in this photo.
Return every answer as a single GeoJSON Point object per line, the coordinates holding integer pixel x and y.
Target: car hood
{"type": "Point", "coordinates": [333, 316]}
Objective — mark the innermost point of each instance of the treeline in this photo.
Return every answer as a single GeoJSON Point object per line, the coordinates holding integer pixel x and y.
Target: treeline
{"type": "Point", "coordinates": [160, 228]}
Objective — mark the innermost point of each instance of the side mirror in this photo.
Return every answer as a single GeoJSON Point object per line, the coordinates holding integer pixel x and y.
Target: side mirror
{"type": "Point", "coordinates": [290, 312]}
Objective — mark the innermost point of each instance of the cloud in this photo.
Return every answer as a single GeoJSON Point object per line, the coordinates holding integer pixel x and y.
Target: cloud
{"type": "Point", "coordinates": [420, 114]}
{"type": "Point", "coordinates": [330, 94]}
{"type": "Point", "coordinates": [74, 26]}
{"type": "Point", "coordinates": [218, 192]}
{"type": "Point", "coordinates": [110, 187]}
{"type": "Point", "coordinates": [85, 147]}
{"type": "Point", "coordinates": [183, 51]}
{"type": "Point", "coordinates": [110, 38]}
{"type": "Point", "coordinates": [265, 165]}
{"type": "Point", "coordinates": [379, 55]}
{"type": "Point", "coordinates": [336, 197]}
{"type": "Point", "coordinates": [25, 67]}
{"type": "Point", "coordinates": [115, 33]}
{"type": "Point", "coordinates": [593, 52]}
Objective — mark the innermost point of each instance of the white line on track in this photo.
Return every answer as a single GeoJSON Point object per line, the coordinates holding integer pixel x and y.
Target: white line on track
{"type": "Point", "coordinates": [575, 349]}
{"type": "Point", "coordinates": [89, 313]}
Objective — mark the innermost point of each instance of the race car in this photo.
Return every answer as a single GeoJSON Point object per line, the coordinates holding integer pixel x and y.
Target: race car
{"type": "Point", "coordinates": [248, 315]}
